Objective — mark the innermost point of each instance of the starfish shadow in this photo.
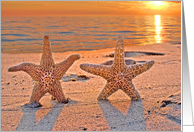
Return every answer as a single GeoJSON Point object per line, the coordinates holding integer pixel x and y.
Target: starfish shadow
{"type": "Point", "coordinates": [133, 120]}
{"type": "Point", "coordinates": [28, 120]}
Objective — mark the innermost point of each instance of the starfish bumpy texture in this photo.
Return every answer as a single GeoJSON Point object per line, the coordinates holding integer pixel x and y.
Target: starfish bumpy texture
{"type": "Point", "coordinates": [47, 75]}
{"type": "Point", "coordinates": [118, 75]}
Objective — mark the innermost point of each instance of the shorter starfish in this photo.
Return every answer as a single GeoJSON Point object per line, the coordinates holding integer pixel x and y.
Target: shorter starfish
{"type": "Point", "coordinates": [118, 75]}
{"type": "Point", "coordinates": [47, 75]}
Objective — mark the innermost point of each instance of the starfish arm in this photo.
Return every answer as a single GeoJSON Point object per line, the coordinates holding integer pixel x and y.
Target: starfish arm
{"type": "Point", "coordinates": [57, 92]}
{"type": "Point", "coordinates": [37, 92]}
{"type": "Point", "coordinates": [29, 68]}
{"type": "Point", "coordinates": [108, 90]}
{"type": "Point", "coordinates": [134, 70]}
{"type": "Point", "coordinates": [62, 67]}
{"type": "Point", "coordinates": [119, 61]}
{"type": "Point", "coordinates": [130, 90]}
{"type": "Point", "coordinates": [47, 59]}
{"type": "Point", "coordinates": [100, 70]}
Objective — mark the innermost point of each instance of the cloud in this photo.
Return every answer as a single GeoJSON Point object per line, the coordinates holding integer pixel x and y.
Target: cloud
{"type": "Point", "coordinates": [174, 1]}
{"type": "Point", "coordinates": [81, 7]}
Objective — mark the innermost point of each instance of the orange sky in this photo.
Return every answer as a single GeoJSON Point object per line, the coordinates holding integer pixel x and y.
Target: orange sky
{"type": "Point", "coordinates": [60, 8]}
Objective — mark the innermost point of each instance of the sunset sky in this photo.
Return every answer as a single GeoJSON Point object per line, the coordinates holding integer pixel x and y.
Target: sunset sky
{"type": "Point", "coordinates": [63, 8]}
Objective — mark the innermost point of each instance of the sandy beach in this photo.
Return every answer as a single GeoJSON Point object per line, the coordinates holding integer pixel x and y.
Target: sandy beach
{"type": "Point", "coordinates": [158, 110]}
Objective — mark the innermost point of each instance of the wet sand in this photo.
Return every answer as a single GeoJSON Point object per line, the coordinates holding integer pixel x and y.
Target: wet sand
{"type": "Point", "coordinates": [158, 110]}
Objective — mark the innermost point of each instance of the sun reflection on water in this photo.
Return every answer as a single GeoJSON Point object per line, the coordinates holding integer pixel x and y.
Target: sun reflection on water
{"type": "Point", "coordinates": [158, 28]}
{"type": "Point", "coordinates": [80, 33]}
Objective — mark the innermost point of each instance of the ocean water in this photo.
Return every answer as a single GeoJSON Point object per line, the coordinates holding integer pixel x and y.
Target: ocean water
{"type": "Point", "coordinates": [75, 33]}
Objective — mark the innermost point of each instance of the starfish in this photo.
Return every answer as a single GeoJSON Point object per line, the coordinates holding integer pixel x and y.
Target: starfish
{"type": "Point", "coordinates": [47, 75]}
{"type": "Point", "coordinates": [118, 75]}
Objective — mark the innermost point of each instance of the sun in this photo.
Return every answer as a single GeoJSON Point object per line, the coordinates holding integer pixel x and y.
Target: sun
{"type": "Point", "coordinates": [157, 5]}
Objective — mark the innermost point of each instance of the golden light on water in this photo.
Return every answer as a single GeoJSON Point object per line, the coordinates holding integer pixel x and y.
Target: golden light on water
{"type": "Point", "coordinates": [158, 28]}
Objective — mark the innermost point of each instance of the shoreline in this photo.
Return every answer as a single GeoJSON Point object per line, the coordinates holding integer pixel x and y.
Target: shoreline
{"type": "Point", "coordinates": [161, 84]}
{"type": "Point", "coordinates": [85, 50]}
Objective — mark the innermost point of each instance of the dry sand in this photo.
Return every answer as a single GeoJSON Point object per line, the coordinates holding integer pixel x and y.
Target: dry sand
{"type": "Point", "coordinates": [159, 86]}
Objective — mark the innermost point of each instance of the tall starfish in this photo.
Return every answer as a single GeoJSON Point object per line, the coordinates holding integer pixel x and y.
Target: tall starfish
{"type": "Point", "coordinates": [118, 75]}
{"type": "Point", "coordinates": [47, 75]}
